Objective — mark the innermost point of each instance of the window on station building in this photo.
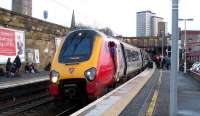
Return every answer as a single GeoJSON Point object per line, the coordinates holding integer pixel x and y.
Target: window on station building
{"type": "Point", "coordinates": [190, 49]}
{"type": "Point", "coordinates": [198, 38]}
{"type": "Point", "coordinates": [196, 48]}
{"type": "Point", "coordinates": [189, 40]}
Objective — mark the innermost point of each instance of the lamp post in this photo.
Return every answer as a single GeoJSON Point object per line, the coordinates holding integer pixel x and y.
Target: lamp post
{"type": "Point", "coordinates": [184, 44]}
{"type": "Point", "coordinates": [162, 36]}
{"type": "Point", "coordinates": [174, 59]}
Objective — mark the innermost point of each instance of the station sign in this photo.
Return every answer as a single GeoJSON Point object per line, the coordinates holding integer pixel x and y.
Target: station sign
{"type": "Point", "coordinates": [45, 14]}
{"type": "Point", "coordinates": [12, 43]}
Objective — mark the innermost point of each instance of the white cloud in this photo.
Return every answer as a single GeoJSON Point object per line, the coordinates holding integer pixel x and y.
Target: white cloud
{"type": "Point", "coordinates": [6, 4]}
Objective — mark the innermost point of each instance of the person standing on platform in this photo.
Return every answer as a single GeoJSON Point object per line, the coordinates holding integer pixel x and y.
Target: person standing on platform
{"type": "Point", "coordinates": [8, 67]}
{"type": "Point", "coordinates": [17, 63]}
{"type": "Point", "coordinates": [168, 63]}
{"type": "Point", "coordinates": [157, 60]}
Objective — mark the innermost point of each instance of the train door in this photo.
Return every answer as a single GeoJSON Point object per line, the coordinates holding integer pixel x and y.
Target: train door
{"type": "Point", "coordinates": [142, 57]}
{"type": "Point", "coordinates": [114, 55]}
{"type": "Point", "coordinates": [120, 62]}
{"type": "Point", "coordinates": [124, 58]}
{"type": "Point", "coordinates": [140, 60]}
{"type": "Point", "coordinates": [106, 71]}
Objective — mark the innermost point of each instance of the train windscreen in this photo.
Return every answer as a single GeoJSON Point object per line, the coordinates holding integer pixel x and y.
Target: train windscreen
{"type": "Point", "coordinates": [77, 47]}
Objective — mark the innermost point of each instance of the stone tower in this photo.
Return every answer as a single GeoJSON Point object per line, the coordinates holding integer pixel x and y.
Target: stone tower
{"type": "Point", "coordinates": [22, 6]}
{"type": "Point", "coordinates": [73, 24]}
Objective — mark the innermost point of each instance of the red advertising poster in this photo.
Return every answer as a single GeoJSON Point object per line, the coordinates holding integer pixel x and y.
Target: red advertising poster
{"type": "Point", "coordinates": [7, 42]}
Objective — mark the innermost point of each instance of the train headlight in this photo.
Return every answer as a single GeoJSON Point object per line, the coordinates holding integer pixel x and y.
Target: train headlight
{"type": "Point", "coordinates": [54, 76]}
{"type": "Point", "coordinates": [90, 74]}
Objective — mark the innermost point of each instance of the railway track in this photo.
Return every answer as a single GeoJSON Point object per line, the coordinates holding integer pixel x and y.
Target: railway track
{"type": "Point", "coordinates": [25, 105]}
{"type": "Point", "coordinates": [35, 101]}
{"type": "Point", "coordinates": [14, 100]}
{"type": "Point", "coordinates": [32, 99]}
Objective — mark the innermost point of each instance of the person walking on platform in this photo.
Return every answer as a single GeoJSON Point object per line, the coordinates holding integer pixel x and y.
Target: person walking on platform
{"type": "Point", "coordinates": [163, 62]}
{"type": "Point", "coordinates": [167, 63]}
{"type": "Point", "coordinates": [17, 63]}
{"type": "Point", "coordinates": [8, 67]}
{"type": "Point", "coordinates": [157, 60]}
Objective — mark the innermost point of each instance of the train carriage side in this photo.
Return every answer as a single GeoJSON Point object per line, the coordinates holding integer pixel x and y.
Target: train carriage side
{"type": "Point", "coordinates": [133, 58]}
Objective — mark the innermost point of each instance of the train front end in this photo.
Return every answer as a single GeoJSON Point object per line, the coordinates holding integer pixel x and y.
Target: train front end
{"type": "Point", "coordinates": [74, 67]}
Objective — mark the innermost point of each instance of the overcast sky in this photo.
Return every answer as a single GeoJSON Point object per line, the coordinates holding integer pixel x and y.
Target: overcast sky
{"type": "Point", "coordinates": [119, 15]}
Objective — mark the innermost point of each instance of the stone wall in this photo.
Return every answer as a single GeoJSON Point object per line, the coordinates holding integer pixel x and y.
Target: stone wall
{"type": "Point", "coordinates": [38, 34]}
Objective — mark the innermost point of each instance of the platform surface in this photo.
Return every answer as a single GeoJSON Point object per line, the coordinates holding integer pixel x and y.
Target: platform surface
{"type": "Point", "coordinates": [188, 93]}
{"type": "Point", "coordinates": [22, 79]}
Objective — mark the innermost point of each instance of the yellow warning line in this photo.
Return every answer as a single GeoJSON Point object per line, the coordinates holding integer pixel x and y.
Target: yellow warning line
{"type": "Point", "coordinates": [154, 98]}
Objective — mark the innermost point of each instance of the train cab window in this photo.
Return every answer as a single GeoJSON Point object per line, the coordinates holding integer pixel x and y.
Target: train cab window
{"type": "Point", "coordinates": [77, 46]}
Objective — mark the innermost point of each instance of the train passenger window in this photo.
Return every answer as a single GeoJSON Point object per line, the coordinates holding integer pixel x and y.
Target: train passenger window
{"type": "Point", "coordinates": [135, 56]}
{"type": "Point", "coordinates": [129, 56]}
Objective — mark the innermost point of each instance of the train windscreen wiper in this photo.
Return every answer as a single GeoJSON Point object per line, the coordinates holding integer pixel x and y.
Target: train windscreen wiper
{"type": "Point", "coordinates": [72, 63]}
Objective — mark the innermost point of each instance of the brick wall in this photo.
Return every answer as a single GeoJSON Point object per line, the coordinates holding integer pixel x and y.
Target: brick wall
{"type": "Point", "coordinates": [38, 34]}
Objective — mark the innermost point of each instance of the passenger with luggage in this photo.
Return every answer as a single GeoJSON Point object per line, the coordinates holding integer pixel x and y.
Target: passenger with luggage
{"type": "Point", "coordinates": [30, 68]}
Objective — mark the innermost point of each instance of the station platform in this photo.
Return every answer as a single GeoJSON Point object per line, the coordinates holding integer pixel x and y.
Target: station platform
{"type": "Point", "coordinates": [23, 79]}
{"type": "Point", "coordinates": [188, 91]}
{"type": "Point", "coordinates": [152, 99]}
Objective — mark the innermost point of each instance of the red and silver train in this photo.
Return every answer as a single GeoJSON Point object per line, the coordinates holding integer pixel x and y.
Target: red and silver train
{"type": "Point", "coordinates": [88, 62]}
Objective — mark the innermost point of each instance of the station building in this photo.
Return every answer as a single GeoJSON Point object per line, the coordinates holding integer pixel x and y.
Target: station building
{"type": "Point", "coordinates": [192, 44]}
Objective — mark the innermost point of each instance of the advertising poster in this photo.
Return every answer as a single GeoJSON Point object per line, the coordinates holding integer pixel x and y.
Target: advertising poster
{"type": "Point", "coordinates": [12, 43]}
{"type": "Point", "coordinates": [37, 56]}
{"type": "Point", "coordinates": [58, 41]}
{"type": "Point", "coordinates": [29, 55]}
